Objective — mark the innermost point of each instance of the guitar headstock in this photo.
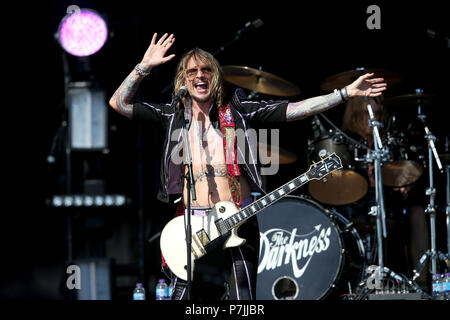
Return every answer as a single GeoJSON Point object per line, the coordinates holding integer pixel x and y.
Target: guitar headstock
{"type": "Point", "coordinates": [324, 167]}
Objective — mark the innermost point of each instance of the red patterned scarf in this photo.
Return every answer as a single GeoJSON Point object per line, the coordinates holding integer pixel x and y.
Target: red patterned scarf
{"type": "Point", "coordinates": [228, 128]}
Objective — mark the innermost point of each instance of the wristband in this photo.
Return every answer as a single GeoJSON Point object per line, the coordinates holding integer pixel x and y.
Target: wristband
{"type": "Point", "coordinates": [344, 94]}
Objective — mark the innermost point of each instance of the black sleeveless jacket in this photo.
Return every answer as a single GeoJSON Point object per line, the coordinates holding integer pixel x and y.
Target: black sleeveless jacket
{"type": "Point", "coordinates": [246, 113]}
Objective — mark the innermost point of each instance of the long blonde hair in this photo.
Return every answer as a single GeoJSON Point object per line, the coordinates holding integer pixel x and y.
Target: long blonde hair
{"type": "Point", "coordinates": [217, 87]}
{"type": "Point", "coordinates": [356, 112]}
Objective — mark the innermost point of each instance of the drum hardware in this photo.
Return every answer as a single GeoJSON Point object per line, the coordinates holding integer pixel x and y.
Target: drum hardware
{"type": "Point", "coordinates": [381, 155]}
{"type": "Point", "coordinates": [447, 209]}
{"type": "Point", "coordinates": [420, 100]}
{"type": "Point", "coordinates": [396, 286]}
{"type": "Point", "coordinates": [368, 246]}
{"type": "Point", "coordinates": [377, 155]}
{"type": "Point", "coordinates": [431, 190]}
{"type": "Point", "coordinates": [373, 211]}
{"type": "Point", "coordinates": [429, 254]}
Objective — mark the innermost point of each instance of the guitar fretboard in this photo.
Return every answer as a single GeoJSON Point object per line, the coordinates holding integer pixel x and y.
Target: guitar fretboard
{"type": "Point", "coordinates": [263, 202]}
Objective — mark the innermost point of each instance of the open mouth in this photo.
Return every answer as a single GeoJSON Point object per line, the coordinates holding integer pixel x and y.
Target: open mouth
{"type": "Point", "coordinates": [201, 87]}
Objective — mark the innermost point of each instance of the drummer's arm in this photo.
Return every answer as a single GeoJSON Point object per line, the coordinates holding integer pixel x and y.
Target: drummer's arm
{"type": "Point", "coordinates": [305, 108]}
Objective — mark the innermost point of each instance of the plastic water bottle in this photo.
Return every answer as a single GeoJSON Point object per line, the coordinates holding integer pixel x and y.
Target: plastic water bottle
{"type": "Point", "coordinates": [162, 290]}
{"type": "Point", "coordinates": [438, 292]}
{"type": "Point", "coordinates": [446, 285]}
{"type": "Point", "coordinates": [170, 291]}
{"type": "Point", "coordinates": [139, 292]}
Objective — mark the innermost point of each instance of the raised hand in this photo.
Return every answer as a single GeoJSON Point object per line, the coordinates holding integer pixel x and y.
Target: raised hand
{"type": "Point", "coordinates": [155, 54]}
{"type": "Point", "coordinates": [364, 86]}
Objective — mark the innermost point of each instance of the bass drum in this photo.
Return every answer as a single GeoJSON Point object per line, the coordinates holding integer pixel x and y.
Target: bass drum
{"type": "Point", "coordinates": [307, 252]}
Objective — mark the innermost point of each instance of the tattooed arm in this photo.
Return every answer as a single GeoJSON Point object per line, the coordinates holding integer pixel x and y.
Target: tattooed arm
{"type": "Point", "coordinates": [302, 109]}
{"type": "Point", "coordinates": [122, 99]}
{"type": "Point", "coordinates": [364, 86]}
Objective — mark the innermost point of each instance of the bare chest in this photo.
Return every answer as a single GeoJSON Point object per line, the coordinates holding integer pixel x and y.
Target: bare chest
{"type": "Point", "coordinates": [206, 144]}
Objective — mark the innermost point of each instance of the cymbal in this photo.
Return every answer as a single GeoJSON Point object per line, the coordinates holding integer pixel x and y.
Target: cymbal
{"type": "Point", "coordinates": [401, 173]}
{"type": "Point", "coordinates": [339, 188]}
{"type": "Point", "coordinates": [260, 81]}
{"type": "Point", "coordinates": [412, 100]}
{"type": "Point", "coordinates": [284, 156]}
{"type": "Point", "coordinates": [345, 78]}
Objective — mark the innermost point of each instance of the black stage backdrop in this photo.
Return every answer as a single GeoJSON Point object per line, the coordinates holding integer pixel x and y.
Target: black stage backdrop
{"type": "Point", "coordinates": [303, 42]}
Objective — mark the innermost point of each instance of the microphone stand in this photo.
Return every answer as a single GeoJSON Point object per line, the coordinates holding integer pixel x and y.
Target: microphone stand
{"type": "Point", "coordinates": [379, 210]}
{"type": "Point", "coordinates": [254, 24]}
{"type": "Point", "coordinates": [190, 187]}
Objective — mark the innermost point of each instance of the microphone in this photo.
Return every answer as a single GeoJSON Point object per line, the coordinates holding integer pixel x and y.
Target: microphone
{"type": "Point", "coordinates": [180, 94]}
{"type": "Point", "coordinates": [248, 26]}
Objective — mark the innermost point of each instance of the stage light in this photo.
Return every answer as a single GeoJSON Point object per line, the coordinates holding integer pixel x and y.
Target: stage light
{"type": "Point", "coordinates": [86, 200]}
{"type": "Point", "coordinates": [88, 116]}
{"type": "Point", "coordinates": [57, 201]}
{"type": "Point", "coordinates": [82, 33]}
{"type": "Point", "coordinates": [109, 201]}
{"type": "Point", "coordinates": [68, 201]}
{"type": "Point", "coordinates": [98, 201]}
{"type": "Point", "coordinates": [78, 201]}
{"type": "Point", "coordinates": [120, 200]}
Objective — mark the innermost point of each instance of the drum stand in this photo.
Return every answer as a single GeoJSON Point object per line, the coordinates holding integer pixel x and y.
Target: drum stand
{"type": "Point", "coordinates": [447, 208]}
{"type": "Point", "coordinates": [432, 254]}
{"type": "Point", "coordinates": [378, 210]}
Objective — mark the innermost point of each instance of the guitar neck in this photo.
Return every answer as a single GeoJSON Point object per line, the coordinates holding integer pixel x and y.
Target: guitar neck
{"type": "Point", "coordinates": [260, 204]}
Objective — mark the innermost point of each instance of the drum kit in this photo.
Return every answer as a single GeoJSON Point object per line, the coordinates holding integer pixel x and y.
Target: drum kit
{"type": "Point", "coordinates": [398, 159]}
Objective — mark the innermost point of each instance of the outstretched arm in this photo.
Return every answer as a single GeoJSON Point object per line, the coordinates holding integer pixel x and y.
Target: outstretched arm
{"type": "Point", "coordinates": [363, 86]}
{"type": "Point", "coordinates": [122, 99]}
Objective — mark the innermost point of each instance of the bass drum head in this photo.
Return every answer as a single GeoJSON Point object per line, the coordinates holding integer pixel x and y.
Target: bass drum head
{"type": "Point", "coordinates": [301, 251]}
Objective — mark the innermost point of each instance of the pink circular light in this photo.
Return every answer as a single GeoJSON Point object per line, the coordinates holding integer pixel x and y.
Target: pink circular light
{"type": "Point", "coordinates": [83, 33]}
